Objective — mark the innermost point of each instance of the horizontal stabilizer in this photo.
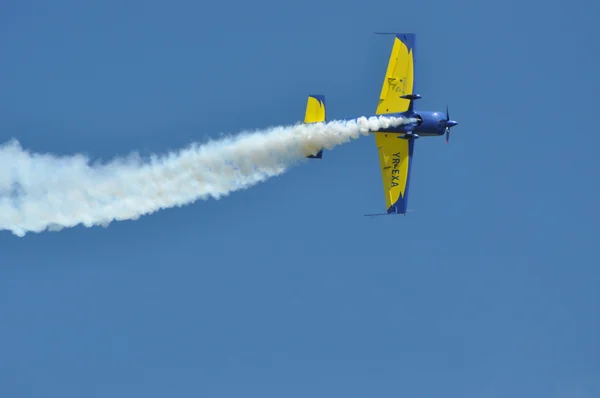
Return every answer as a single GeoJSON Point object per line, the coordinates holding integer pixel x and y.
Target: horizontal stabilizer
{"type": "Point", "coordinates": [387, 214]}
{"type": "Point", "coordinates": [315, 113]}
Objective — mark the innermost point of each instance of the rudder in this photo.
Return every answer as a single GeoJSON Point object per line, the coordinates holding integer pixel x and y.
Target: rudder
{"type": "Point", "coordinates": [315, 113]}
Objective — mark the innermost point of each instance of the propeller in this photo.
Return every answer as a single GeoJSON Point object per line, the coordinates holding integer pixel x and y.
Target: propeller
{"type": "Point", "coordinates": [449, 124]}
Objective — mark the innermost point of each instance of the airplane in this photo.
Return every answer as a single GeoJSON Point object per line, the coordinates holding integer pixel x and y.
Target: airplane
{"type": "Point", "coordinates": [396, 144]}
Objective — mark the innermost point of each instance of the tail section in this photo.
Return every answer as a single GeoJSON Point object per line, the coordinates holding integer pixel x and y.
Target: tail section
{"type": "Point", "coordinates": [315, 113]}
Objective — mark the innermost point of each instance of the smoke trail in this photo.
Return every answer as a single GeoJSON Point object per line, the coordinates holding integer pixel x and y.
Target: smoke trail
{"type": "Point", "coordinates": [45, 192]}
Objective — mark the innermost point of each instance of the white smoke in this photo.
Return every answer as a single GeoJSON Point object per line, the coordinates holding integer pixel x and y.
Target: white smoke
{"type": "Point", "coordinates": [45, 192]}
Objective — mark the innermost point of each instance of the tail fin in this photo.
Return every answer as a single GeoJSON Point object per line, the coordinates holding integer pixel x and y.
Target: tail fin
{"type": "Point", "coordinates": [315, 113]}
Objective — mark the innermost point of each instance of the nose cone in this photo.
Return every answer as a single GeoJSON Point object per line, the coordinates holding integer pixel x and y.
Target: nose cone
{"type": "Point", "coordinates": [451, 123]}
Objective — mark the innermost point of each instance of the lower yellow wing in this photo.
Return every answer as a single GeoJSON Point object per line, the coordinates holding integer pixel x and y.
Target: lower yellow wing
{"type": "Point", "coordinates": [395, 159]}
{"type": "Point", "coordinates": [399, 77]}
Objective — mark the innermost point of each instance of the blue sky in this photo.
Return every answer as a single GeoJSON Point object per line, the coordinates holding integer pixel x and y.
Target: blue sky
{"type": "Point", "coordinates": [488, 289]}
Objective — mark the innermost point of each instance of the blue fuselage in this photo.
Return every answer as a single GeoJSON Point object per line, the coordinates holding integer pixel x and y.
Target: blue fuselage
{"type": "Point", "coordinates": [429, 123]}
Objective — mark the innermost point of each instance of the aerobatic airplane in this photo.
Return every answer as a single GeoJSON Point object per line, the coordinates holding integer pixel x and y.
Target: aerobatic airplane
{"type": "Point", "coordinates": [395, 145]}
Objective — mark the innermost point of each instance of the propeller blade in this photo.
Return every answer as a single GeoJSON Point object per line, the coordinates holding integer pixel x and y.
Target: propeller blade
{"type": "Point", "coordinates": [449, 124]}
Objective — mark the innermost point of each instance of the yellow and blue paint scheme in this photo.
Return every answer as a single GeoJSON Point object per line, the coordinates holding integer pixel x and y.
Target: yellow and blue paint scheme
{"type": "Point", "coordinates": [396, 145]}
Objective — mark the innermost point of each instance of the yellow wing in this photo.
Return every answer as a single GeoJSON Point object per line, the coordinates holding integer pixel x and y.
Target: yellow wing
{"type": "Point", "coordinates": [399, 77]}
{"type": "Point", "coordinates": [395, 153]}
{"type": "Point", "coordinates": [395, 159]}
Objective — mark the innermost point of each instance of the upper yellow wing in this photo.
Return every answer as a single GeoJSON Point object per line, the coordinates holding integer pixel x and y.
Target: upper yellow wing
{"type": "Point", "coordinates": [399, 77]}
